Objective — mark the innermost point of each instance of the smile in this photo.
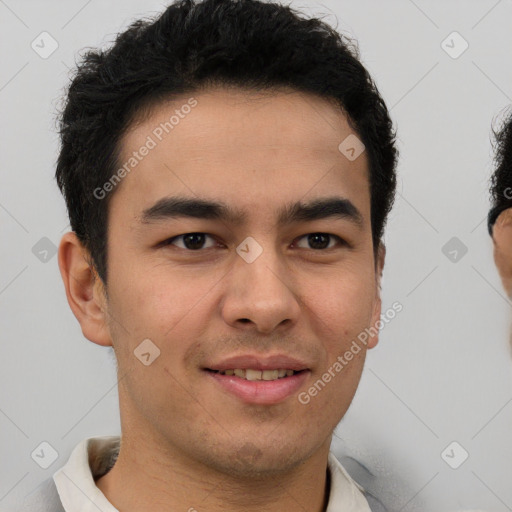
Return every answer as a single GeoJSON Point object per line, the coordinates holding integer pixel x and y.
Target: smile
{"type": "Point", "coordinates": [259, 387]}
{"type": "Point", "coordinates": [250, 374]}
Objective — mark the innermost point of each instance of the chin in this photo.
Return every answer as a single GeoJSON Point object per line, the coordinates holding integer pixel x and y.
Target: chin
{"type": "Point", "coordinates": [260, 460]}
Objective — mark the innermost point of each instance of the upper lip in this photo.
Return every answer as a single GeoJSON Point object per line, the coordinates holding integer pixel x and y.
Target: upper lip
{"type": "Point", "coordinates": [259, 362]}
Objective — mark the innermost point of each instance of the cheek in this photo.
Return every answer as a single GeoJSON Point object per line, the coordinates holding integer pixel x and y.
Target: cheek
{"type": "Point", "coordinates": [503, 244]}
{"type": "Point", "coordinates": [343, 305]}
{"type": "Point", "coordinates": [169, 312]}
{"type": "Point", "coordinates": [151, 302]}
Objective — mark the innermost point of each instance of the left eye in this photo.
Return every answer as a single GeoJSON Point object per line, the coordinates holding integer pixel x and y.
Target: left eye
{"type": "Point", "coordinates": [191, 241]}
{"type": "Point", "coordinates": [320, 240]}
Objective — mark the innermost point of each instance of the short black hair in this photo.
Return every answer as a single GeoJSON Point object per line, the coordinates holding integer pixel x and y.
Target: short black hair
{"type": "Point", "coordinates": [192, 45]}
{"type": "Point", "coordinates": [501, 180]}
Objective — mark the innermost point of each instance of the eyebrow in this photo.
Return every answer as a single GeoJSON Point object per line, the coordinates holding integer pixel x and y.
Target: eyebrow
{"type": "Point", "coordinates": [178, 207]}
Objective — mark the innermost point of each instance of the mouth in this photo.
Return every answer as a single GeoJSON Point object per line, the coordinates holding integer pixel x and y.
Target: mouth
{"type": "Point", "coordinates": [259, 380]}
{"type": "Point", "coordinates": [257, 375]}
{"type": "Point", "coordinates": [250, 387]}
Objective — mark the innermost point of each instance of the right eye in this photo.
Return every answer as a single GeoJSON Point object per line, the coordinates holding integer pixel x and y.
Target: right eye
{"type": "Point", "coordinates": [189, 241]}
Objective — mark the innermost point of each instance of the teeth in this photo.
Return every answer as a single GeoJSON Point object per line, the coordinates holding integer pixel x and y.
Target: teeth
{"type": "Point", "coordinates": [250, 374]}
{"type": "Point", "coordinates": [269, 374]}
{"type": "Point", "coordinates": [253, 374]}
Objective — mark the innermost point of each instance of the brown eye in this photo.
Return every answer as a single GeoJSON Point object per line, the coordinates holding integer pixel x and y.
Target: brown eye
{"type": "Point", "coordinates": [319, 241]}
{"type": "Point", "coordinates": [190, 241]}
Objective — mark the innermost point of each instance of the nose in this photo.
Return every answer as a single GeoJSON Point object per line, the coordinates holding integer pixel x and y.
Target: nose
{"type": "Point", "coordinates": [260, 295]}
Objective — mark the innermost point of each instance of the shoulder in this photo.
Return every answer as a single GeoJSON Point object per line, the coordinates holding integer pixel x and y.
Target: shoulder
{"type": "Point", "coordinates": [359, 479]}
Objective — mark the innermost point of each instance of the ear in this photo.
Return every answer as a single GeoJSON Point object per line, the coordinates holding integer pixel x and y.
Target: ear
{"type": "Point", "coordinates": [373, 339]}
{"type": "Point", "coordinates": [84, 289]}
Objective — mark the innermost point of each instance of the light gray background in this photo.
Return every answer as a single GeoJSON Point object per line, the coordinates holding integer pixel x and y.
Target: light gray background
{"type": "Point", "coordinates": [442, 371]}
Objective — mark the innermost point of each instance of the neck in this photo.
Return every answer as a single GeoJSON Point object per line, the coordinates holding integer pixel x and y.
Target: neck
{"type": "Point", "coordinates": [148, 478]}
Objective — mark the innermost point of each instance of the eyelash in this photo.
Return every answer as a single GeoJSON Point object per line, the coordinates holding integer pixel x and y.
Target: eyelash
{"type": "Point", "coordinates": [169, 241]}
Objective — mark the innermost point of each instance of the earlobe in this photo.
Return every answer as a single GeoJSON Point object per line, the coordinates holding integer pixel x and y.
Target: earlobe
{"type": "Point", "coordinates": [373, 339]}
{"type": "Point", "coordinates": [84, 289]}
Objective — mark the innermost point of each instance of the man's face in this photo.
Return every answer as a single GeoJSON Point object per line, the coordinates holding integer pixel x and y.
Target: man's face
{"type": "Point", "coordinates": [206, 306]}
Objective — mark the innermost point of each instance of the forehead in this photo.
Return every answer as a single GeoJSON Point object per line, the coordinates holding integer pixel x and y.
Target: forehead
{"type": "Point", "coordinates": [247, 148]}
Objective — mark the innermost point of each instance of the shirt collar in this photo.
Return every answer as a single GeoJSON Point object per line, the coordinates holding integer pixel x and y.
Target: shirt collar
{"type": "Point", "coordinates": [75, 480]}
{"type": "Point", "coordinates": [95, 456]}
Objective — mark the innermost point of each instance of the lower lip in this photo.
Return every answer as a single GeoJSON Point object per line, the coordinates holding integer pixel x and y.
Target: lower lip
{"type": "Point", "coordinates": [265, 392]}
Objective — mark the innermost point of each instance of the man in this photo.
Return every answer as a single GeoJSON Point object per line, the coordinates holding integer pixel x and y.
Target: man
{"type": "Point", "coordinates": [228, 169]}
{"type": "Point", "coordinates": [500, 216]}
